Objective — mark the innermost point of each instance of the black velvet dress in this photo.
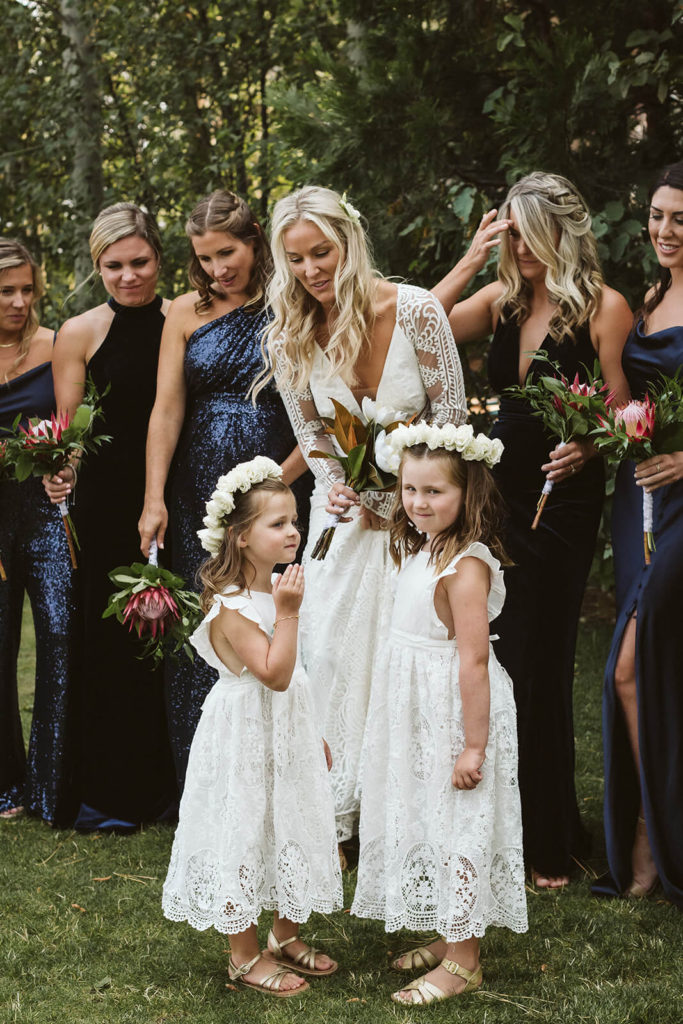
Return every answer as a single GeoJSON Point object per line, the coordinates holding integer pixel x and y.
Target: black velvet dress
{"type": "Point", "coordinates": [539, 622]}
{"type": "Point", "coordinates": [126, 771]}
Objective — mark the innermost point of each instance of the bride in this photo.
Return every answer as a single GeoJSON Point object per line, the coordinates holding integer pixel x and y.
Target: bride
{"type": "Point", "coordinates": [340, 330]}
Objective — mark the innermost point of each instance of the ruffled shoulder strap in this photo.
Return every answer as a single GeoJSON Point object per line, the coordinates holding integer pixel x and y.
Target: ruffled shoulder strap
{"type": "Point", "coordinates": [496, 598]}
{"type": "Point", "coordinates": [237, 601]}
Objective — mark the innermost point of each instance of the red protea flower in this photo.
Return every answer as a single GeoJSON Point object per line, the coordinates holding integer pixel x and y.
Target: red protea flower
{"type": "Point", "coordinates": [150, 610]}
{"type": "Point", "coordinates": [47, 431]}
{"type": "Point", "coordinates": [637, 419]}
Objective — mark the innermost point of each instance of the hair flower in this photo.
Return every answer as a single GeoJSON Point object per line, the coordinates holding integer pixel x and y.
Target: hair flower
{"type": "Point", "coordinates": [472, 448]}
{"type": "Point", "coordinates": [222, 502]}
{"type": "Point", "coordinates": [351, 212]}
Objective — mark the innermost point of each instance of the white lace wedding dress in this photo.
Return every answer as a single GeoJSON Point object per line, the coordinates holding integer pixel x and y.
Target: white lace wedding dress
{"type": "Point", "coordinates": [434, 858]}
{"type": "Point", "coordinates": [256, 823]}
{"type": "Point", "coordinates": [347, 602]}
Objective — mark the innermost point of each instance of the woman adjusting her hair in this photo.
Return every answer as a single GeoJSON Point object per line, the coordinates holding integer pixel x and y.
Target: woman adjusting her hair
{"type": "Point", "coordinates": [550, 295]}
{"type": "Point", "coordinates": [341, 331]}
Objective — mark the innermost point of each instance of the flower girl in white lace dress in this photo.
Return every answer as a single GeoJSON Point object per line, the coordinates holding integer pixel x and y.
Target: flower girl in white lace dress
{"type": "Point", "coordinates": [440, 827]}
{"type": "Point", "coordinates": [256, 828]}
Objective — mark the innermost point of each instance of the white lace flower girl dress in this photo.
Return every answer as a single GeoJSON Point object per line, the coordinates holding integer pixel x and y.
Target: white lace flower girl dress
{"type": "Point", "coordinates": [434, 858]}
{"type": "Point", "coordinates": [256, 825]}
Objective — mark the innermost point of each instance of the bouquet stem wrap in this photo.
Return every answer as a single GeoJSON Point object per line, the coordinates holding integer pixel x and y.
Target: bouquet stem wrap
{"type": "Point", "coordinates": [547, 489]}
{"type": "Point", "coordinates": [648, 534]}
{"type": "Point", "coordinates": [322, 545]}
{"type": "Point", "coordinates": [70, 532]}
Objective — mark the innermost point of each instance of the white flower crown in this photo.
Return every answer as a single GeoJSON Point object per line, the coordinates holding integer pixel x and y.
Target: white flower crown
{"type": "Point", "coordinates": [222, 503]}
{"type": "Point", "coordinates": [473, 448]}
{"type": "Point", "coordinates": [351, 212]}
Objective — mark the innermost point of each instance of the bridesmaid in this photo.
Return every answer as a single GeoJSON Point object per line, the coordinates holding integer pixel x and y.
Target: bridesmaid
{"type": "Point", "coordinates": [643, 701]}
{"type": "Point", "coordinates": [210, 354]}
{"type": "Point", "coordinates": [36, 560]}
{"type": "Point", "coordinates": [550, 294]}
{"type": "Point", "coordinates": [127, 770]}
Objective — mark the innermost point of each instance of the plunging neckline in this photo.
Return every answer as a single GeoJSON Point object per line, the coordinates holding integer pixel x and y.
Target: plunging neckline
{"type": "Point", "coordinates": [355, 404]}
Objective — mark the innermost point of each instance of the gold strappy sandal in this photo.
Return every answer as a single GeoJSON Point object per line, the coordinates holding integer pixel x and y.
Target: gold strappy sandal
{"type": "Point", "coordinates": [270, 984]}
{"type": "Point", "coordinates": [419, 959]}
{"type": "Point", "coordinates": [303, 962]}
{"type": "Point", "coordinates": [424, 992]}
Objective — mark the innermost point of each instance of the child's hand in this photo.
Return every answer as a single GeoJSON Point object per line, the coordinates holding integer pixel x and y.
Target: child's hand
{"type": "Point", "coordinates": [467, 772]}
{"type": "Point", "coordinates": [328, 754]}
{"type": "Point", "coordinates": [288, 591]}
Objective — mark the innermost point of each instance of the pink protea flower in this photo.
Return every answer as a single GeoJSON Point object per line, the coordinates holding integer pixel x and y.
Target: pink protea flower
{"type": "Point", "coordinates": [637, 419]}
{"type": "Point", "coordinates": [150, 610]}
{"type": "Point", "coordinates": [49, 431]}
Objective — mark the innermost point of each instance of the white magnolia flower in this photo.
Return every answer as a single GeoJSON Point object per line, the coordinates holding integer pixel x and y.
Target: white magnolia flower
{"type": "Point", "coordinates": [386, 455]}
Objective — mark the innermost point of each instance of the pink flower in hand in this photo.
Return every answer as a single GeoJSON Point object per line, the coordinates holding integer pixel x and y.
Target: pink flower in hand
{"type": "Point", "coordinates": [150, 610]}
{"type": "Point", "coordinates": [637, 419]}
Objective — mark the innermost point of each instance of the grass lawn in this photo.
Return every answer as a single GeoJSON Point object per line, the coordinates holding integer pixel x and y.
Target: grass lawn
{"type": "Point", "coordinates": [82, 938]}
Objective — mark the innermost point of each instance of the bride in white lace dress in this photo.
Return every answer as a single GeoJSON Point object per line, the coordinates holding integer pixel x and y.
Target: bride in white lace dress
{"type": "Point", "coordinates": [342, 331]}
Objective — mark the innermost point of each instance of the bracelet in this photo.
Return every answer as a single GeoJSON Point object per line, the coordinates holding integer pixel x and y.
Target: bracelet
{"type": "Point", "coordinates": [284, 619]}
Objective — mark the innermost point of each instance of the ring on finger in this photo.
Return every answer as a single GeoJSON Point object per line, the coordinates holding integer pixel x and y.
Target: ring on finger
{"type": "Point", "coordinates": [658, 467]}
{"type": "Point", "coordinates": [572, 467]}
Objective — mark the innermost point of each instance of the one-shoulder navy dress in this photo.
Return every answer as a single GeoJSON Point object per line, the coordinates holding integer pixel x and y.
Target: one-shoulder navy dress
{"type": "Point", "coordinates": [655, 595]}
{"type": "Point", "coordinates": [127, 770]}
{"type": "Point", "coordinates": [36, 559]}
{"type": "Point", "coordinates": [222, 427]}
{"type": "Point", "coordinates": [539, 622]}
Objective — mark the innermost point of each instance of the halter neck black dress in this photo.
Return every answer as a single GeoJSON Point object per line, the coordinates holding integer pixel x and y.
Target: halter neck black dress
{"type": "Point", "coordinates": [539, 622]}
{"type": "Point", "coordinates": [127, 771]}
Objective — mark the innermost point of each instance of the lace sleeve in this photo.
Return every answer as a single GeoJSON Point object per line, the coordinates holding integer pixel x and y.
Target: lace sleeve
{"type": "Point", "coordinates": [422, 319]}
{"type": "Point", "coordinates": [309, 432]}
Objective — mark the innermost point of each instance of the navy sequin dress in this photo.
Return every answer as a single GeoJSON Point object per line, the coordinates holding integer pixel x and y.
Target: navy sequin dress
{"type": "Point", "coordinates": [36, 559]}
{"type": "Point", "coordinates": [221, 428]}
{"type": "Point", "coordinates": [655, 595]}
{"type": "Point", "coordinates": [127, 769]}
{"type": "Point", "coordinates": [539, 623]}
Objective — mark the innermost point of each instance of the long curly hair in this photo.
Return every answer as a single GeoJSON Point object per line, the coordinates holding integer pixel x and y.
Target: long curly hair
{"type": "Point", "coordinates": [481, 518]}
{"type": "Point", "coordinates": [14, 254]}
{"type": "Point", "coordinates": [673, 177]}
{"type": "Point", "coordinates": [298, 316]}
{"type": "Point", "coordinates": [554, 221]}
{"type": "Point", "coordinates": [227, 212]}
{"type": "Point", "coordinates": [231, 565]}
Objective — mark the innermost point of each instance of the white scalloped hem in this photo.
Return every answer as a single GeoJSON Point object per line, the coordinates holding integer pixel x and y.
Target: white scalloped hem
{"type": "Point", "coordinates": [473, 928]}
{"type": "Point", "coordinates": [173, 910]}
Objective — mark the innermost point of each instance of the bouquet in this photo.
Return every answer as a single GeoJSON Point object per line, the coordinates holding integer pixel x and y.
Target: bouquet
{"type": "Point", "coordinates": [48, 446]}
{"type": "Point", "coordinates": [641, 430]}
{"type": "Point", "coordinates": [154, 602]}
{"type": "Point", "coordinates": [357, 439]}
{"type": "Point", "coordinates": [568, 410]}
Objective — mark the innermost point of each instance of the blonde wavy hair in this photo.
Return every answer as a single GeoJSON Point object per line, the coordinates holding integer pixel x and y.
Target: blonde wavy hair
{"type": "Point", "coordinates": [14, 254]}
{"type": "Point", "coordinates": [230, 565]}
{"type": "Point", "coordinates": [228, 213]}
{"type": "Point", "coordinates": [553, 219]}
{"type": "Point", "coordinates": [120, 221]}
{"type": "Point", "coordinates": [481, 517]}
{"type": "Point", "coordinates": [297, 315]}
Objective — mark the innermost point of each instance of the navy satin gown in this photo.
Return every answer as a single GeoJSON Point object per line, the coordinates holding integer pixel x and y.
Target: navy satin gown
{"type": "Point", "coordinates": [539, 622]}
{"type": "Point", "coordinates": [654, 594]}
{"type": "Point", "coordinates": [36, 559]}
{"type": "Point", "coordinates": [126, 766]}
{"type": "Point", "coordinates": [221, 428]}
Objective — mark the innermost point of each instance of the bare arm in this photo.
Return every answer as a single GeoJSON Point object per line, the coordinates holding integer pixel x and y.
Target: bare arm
{"type": "Point", "coordinates": [294, 466]}
{"type": "Point", "coordinates": [271, 661]}
{"type": "Point", "coordinates": [467, 593]}
{"type": "Point", "coordinates": [165, 424]}
{"type": "Point", "coordinates": [487, 237]}
{"type": "Point", "coordinates": [69, 373]}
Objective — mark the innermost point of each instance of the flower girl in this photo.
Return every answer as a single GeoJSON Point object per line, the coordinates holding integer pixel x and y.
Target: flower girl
{"type": "Point", "coordinates": [256, 827]}
{"type": "Point", "coordinates": [440, 827]}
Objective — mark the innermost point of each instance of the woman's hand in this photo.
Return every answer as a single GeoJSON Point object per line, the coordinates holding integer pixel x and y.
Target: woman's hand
{"type": "Point", "coordinates": [340, 499]}
{"type": "Point", "coordinates": [467, 771]}
{"type": "Point", "coordinates": [369, 520]}
{"type": "Point", "coordinates": [152, 523]}
{"type": "Point", "coordinates": [60, 486]}
{"type": "Point", "coordinates": [659, 470]}
{"type": "Point", "coordinates": [288, 591]}
{"type": "Point", "coordinates": [567, 460]}
{"type": "Point", "coordinates": [486, 237]}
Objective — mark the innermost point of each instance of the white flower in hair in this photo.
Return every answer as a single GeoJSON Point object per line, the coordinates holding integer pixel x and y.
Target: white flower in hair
{"type": "Point", "coordinates": [222, 502]}
{"type": "Point", "coordinates": [351, 212]}
{"type": "Point", "coordinates": [473, 448]}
